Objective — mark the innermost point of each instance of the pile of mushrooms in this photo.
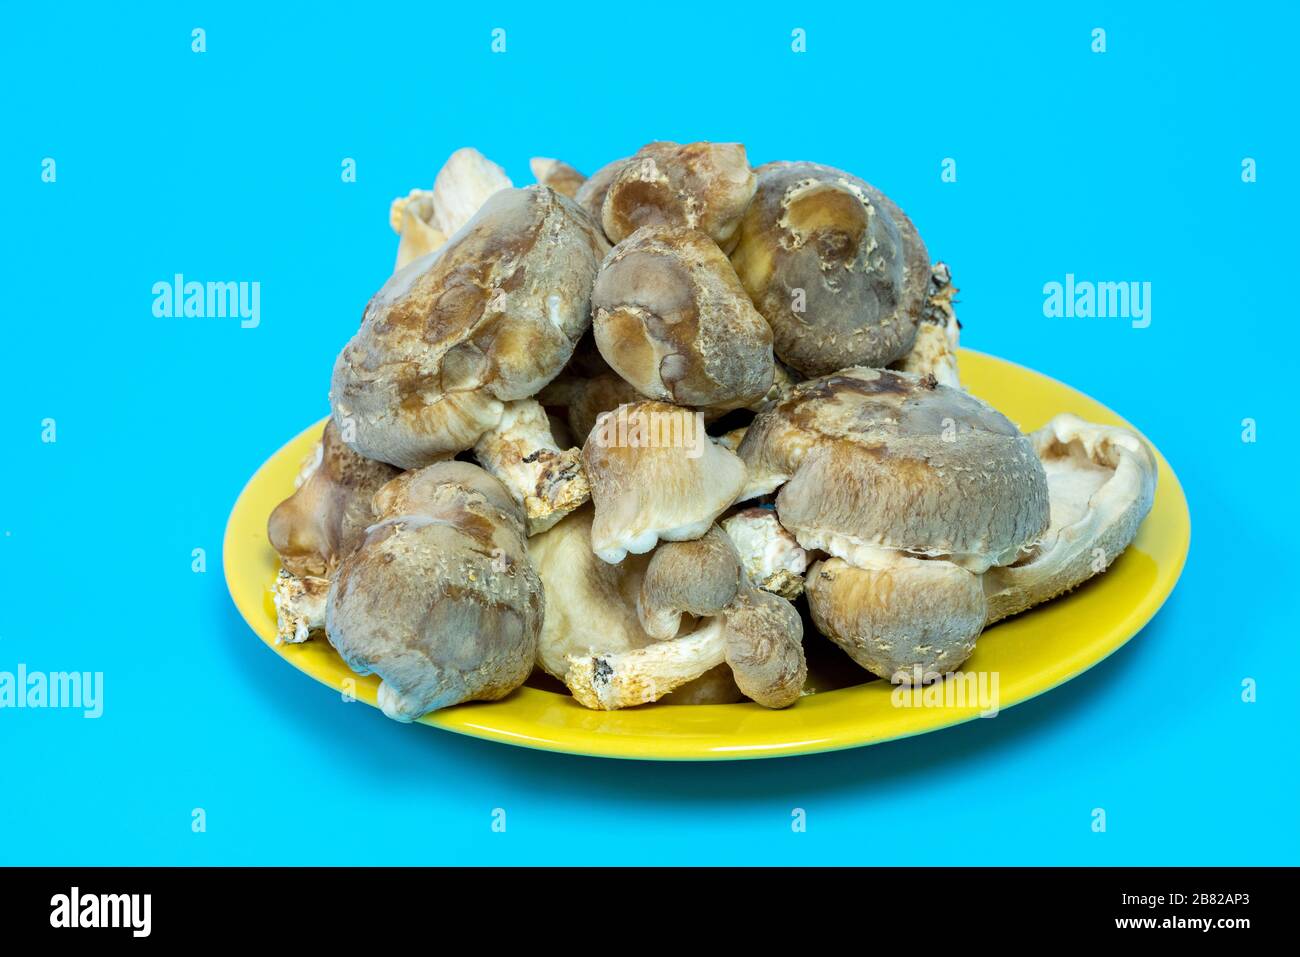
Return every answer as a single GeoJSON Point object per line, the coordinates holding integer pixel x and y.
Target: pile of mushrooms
{"type": "Point", "coordinates": [644, 431]}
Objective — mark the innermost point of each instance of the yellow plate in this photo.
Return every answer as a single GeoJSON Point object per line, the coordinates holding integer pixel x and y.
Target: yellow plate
{"type": "Point", "coordinates": [1030, 654]}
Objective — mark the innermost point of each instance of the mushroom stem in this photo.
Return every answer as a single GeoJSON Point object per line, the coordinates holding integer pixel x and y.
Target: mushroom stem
{"type": "Point", "coordinates": [770, 555]}
{"type": "Point", "coordinates": [609, 682]}
{"type": "Point", "coordinates": [522, 453]}
{"type": "Point", "coordinates": [934, 352]}
{"type": "Point", "coordinates": [299, 607]}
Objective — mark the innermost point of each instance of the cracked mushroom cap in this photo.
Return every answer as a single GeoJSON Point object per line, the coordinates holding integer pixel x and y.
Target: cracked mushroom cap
{"type": "Point", "coordinates": [698, 577]}
{"type": "Point", "coordinates": [490, 317]}
{"type": "Point", "coordinates": [440, 599]}
{"type": "Point", "coordinates": [670, 317]}
{"type": "Point", "coordinates": [704, 186]}
{"type": "Point", "coordinates": [1102, 482]}
{"type": "Point", "coordinates": [834, 266]}
{"type": "Point", "coordinates": [898, 616]}
{"type": "Point", "coordinates": [869, 459]}
{"type": "Point", "coordinates": [655, 474]}
{"type": "Point", "coordinates": [326, 518]}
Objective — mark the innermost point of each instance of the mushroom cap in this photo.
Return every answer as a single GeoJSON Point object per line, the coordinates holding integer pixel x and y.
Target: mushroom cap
{"type": "Point", "coordinates": [704, 186]}
{"type": "Point", "coordinates": [655, 474]}
{"type": "Point", "coordinates": [867, 459]}
{"type": "Point", "coordinates": [491, 316]}
{"type": "Point", "coordinates": [670, 317]}
{"type": "Point", "coordinates": [765, 648]}
{"type": "Point", "coordinates": [833, 265]}
{"type": "Point", "coordinates": [440, 600]}
{"type": "Point", "coordinates": [898, 615]}
{"type": "Point", "coordinates": [698, 577]}
{"type": "Point", "coordinates": [1101, 481]}
{"type": "Point", "coordinates": [326, 518]}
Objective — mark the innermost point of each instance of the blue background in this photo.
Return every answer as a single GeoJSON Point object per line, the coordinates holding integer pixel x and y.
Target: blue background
{"type": "Point", "coordinates": [226, 165]}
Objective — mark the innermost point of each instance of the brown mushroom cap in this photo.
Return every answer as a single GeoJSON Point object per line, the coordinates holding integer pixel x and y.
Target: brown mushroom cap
{"type": "Point", "coordinates": [490, 317]}
{"type": "Point", "coordinates": [655, 474]}
{"type": "Point", "coordinates": [670, 317]}
{"type": "Point", "coordinates": [868, 459]}
{"type": "Point", "coordinates": [698, 577]}
{"type": "Point", "coordinates": [326, 518]}
{"type": "Point", "coordinates": [765, 648]}
{"type": "Point", "coordinates": [899, 616]}
{"type": "Point", "coordinates": [834, 266]}
{"type": "Point", "coordinates": [704, 186]}
{"type": "Point", "coordinates": [440, 599]}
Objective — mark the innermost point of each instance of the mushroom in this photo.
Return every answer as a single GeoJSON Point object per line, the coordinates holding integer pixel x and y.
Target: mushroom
{"type": "Point", "coordinates": [591, 194]}
{"type": "Point", "coordinates": [698, 577]}
{"type": "Point", "coordinates": [834, 266]}
{"type": "Point", "coordinates": [326, 518]}
{"type": "Point", "coordinates": [934, 351]}
{"type": "Point", "coordinates": [426, 218]}
{"type": "Point", "coordinates": [521, 451]}
{"type": "Point", "coordinates": [591, 607]}
{"type": "Point", "coordinates": [487, 319]}
{"type": "Point", "coordinates": [466, 181]}
{"type": "Point", "coordinates": [770, 555]}
{"type": "Point", "coordinates": [914, 490]}
{"type": "Point", "coordinates": [440, 600]}
{"type": "Point", "coordinates": [759, 636]}
{"type": "Point", "coordinates": [299, 606]}
{"type": "Point", "coordinates": [1101, 480]}
{"type": "Point", "coordinates": [898, 616]}
{"type": "Point", "coordinates": [670, 317]}
{"type": "Point", "coordinates": [416, 237]}
{"type": "Point", "coordinates": [655, 474]}
{"type": "Point", "coordinates": [704, 186]}
{"type": "Point", "coordinates": [561, 177]}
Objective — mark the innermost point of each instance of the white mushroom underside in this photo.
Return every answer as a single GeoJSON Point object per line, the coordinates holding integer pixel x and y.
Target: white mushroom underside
{"type": "Point", "coordinates": [1101, 482]}
{"type": "Point", "coordinates": [870, 554]}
